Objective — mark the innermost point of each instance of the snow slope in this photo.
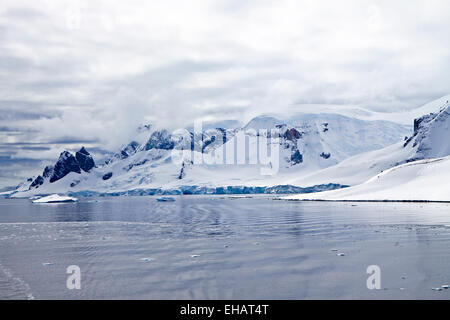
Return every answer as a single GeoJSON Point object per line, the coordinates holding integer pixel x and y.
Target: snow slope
{"type": "Point", "coordinates": [402, 117]}
{"type": "Point", "coordinates": [421, 180]}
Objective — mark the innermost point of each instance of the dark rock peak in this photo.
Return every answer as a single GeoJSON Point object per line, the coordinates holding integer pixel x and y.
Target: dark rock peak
{"type": "Point", "coordinates": [84, 151]}
{"type": "Point", "coordinates": [66, 164]}
{"type": "Point", "coordinates": [160, 140]}
{"type": "Point", "coordinates": [85, 160]}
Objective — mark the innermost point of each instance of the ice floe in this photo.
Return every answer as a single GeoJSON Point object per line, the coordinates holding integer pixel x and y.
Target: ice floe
{"type": "Point", "coordinates": [55, 198]}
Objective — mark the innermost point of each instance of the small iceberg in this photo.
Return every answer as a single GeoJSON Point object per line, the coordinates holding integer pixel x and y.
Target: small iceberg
{"type": "Point", "coordinates": [165, 199]}
{"type": "Point", "coordinates": [55, 198]}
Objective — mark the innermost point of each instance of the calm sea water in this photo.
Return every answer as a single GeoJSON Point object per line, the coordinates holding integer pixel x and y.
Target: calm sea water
{"type": "Point", "coordinates": [212, 247]}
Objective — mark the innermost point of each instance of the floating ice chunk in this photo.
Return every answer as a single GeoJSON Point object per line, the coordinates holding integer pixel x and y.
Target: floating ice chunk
{"type": "Point", "coordinates": [55, 198]}
{"type": "Point", "coordinates": [437, 289]}
{"type": "Point", "coordinates": [166, 199]}
{"type": "Point", "coordinates": [341, 254]}
{"type": "Point", "coordinates": [46, 264]}
{"type": "Point", "coordinates": [146, 259]}
{"type": "Point", "coordinates": [195, 255]}
{"type": "Point", "coordinates": [445, 286]}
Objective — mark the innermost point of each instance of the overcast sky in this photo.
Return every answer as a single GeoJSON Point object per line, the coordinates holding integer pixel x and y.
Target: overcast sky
{"type": "Point", "coordinates": [89, 72]}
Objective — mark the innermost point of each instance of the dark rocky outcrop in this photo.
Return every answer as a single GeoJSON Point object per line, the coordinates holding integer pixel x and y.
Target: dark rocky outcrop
{"type": "Point", "coordinates": [37, 182]}
{"type": "Point", "coordinates": [48, 172]}
{"type": "Point", "coordinates": [160, 140]}
{"type": "Point", "coordinates": [85, 160]}
{"type": "Point", "coordinates": [66, 164]}
{"type": "Point", "coordinates": [292, 134]}
{"type": "Point", "coordinates": [107, 176]}
{"type": "Point", "coordinates": [182, 172]}
{"type": "Point", "coordinates": [126, 152]}
{"type": "Point", "coordinates": [135, 164]}
{"type": "Point", "coordinates": [325, 155]}
{"type": "Point", "coordinates": [296, 158]}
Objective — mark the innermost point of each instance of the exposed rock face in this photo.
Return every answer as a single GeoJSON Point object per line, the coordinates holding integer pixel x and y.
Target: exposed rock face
{"type": "Point", "coordinates": [85, 160]}
{"type": "Point", "coordinates": [422, 120]}
{"type": "Point", "coordinates": [296, 158]}
{"type": "Point", "coordinates": [160, 140]}
{"type": "Point", "coordinates": [129, 149]}
{"type": "Point", "coordinates": [182, 172]}
{"type": "Point", "coordinates": [325, 155]}
{"type": "Point", "coordinates": [37, 182]}
{"type": "Point", "coordinates": [292, 134]}
{"type": "Point", "coordinates": [126, 152]}
{"type": "Point", "coordinates": [48, 172]}
{"type": "Point", "coordinates": [66, 164]}
{"type": "Point", "coordinates": [429, 133]}
{"type": "Point", "coordinates": [107, 176]}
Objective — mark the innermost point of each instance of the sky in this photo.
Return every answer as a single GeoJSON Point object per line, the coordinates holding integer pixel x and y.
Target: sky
{"type": "Point", "coordinates": [89, 73]}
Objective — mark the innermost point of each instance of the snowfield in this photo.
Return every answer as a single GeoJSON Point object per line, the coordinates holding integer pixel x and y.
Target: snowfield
{"type": "Point", "coordinates": [421, 180]}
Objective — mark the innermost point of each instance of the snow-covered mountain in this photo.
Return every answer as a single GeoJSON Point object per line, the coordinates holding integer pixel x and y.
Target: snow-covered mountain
{"type": "Point", "coordinates": [169, 161]}
{"type": "Point", "coordinates": [415, 169]}
{"type": "Point", "coordinates": [429, 140]}
{"type": "Point", "coordinates": [399, 116]}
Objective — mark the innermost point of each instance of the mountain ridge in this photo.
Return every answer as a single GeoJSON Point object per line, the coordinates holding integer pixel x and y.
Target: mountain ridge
{"type": "Point", "coordinates": [311, 143]}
